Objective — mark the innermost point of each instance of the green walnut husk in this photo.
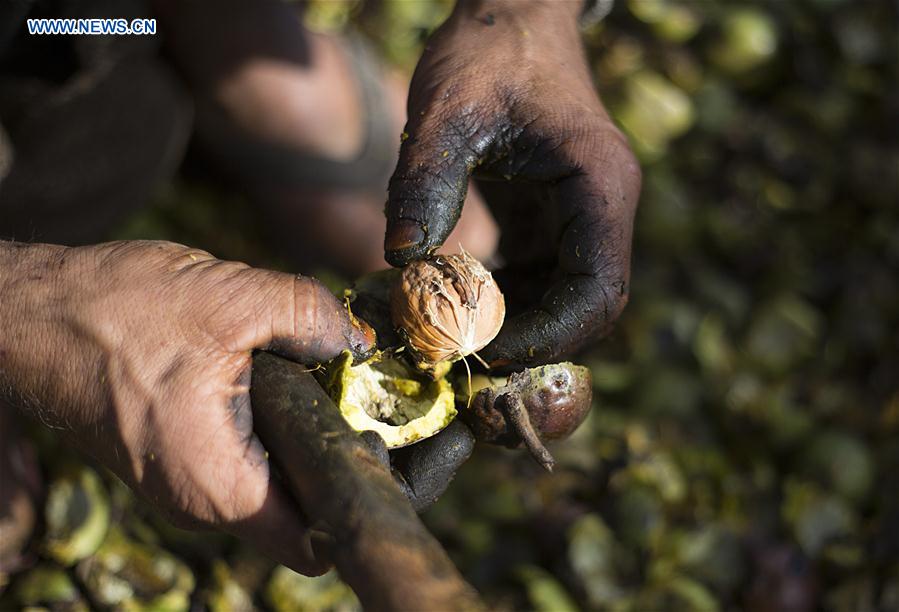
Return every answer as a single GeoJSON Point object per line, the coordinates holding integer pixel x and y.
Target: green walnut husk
{"type": "Point", "coordinates": [126, 575]}
{"type": "Point", "coordinates": [77, 515]}
{"type": "Point", "coordinates": [225, 593]}
{"type": "Point", "coordinates": [49, 587]}
{"type": "Point", "coordinates": [288, 591]}
{"type": "Point", "coordinates": [388, 397]}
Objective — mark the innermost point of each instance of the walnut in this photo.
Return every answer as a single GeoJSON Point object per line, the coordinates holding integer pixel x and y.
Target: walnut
{"type": "Point", "coordinates": [447, 307]}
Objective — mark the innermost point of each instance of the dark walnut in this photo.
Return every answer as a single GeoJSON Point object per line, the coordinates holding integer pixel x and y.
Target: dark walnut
{"type": "Point", "coordinates": [539, 404]}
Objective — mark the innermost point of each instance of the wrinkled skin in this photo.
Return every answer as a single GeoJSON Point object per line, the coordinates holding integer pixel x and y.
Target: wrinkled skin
{"type": "Point", "coordinates": [503, 93]}
{"type": "Point", "coordinates": [139, 353]}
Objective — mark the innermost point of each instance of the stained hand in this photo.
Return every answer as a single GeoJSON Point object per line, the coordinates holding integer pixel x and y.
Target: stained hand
{"type": "Point", "coordinates": [140, 352]}
{"type": "Point", "coordinates": [503, 94]}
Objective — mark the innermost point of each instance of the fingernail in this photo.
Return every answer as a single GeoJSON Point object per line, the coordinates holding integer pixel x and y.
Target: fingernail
{"type": "Point", "coordinates": [403, 234]}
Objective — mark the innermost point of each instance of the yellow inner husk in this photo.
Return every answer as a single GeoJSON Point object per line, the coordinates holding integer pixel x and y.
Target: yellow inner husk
{"type": "Point", "coordinates": [384, 396]}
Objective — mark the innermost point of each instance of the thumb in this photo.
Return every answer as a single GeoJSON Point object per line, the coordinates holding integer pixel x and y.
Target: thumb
{"type": "Point", "coordinates": [428, 188]}
{"type": "Point", "coordinates": [298, 317]}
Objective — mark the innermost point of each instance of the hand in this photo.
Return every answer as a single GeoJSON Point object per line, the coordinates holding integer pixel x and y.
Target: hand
{"type": "Point", "coordinates": [503, 93]}
{"type": "Point", "coordinates": [140, 353]}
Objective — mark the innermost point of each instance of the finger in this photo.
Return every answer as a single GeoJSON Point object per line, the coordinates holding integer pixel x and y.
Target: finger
{"type": "Point", "coordinates": [261, 511]}
{"type": "Point", "coordinates": [593, 207]}
{"type": "Point", "coordinates": [424, 470]}
{"type": "Point", "coordinates": [277, 532]}
{"type": "Point", "coordinates": [264, 515]}
{"type": "Point", "coordinates": [427, 190]}
{"type": "Point", "coordinates": [300, 319]}
{"type": "Point", "coordinates": [377, 446]}
{"type": "Point", "coordinates": [233, 490]}
{"type": "Point", "coordinates": [428, 467]}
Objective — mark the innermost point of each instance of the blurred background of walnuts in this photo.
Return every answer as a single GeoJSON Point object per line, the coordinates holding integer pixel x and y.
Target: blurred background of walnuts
{"type": "Point", "coordinates": [744, 450]}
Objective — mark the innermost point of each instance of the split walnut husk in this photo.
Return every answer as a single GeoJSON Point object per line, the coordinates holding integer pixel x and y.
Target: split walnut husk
{"type": "Point", "coordinates": [387, 396]}
{"type": "Point", "coordinates": [49, 587]}
{"type": "Point", "coordinates": [447, 307]}
{"type": "Point", "coordinates": [76, 513]}
{"type": "Point", "coordinates": [125, 574]}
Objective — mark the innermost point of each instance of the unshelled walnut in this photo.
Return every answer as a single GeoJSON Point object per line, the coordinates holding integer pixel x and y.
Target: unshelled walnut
{"type": "Point", "coordinates": [447, 307]}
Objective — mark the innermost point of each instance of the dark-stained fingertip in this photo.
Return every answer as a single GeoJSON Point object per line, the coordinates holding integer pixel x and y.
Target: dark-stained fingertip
{"type": "Point", "coordinates": [405, 242]}
{"type": "Point", "coordinates": [403, 234]}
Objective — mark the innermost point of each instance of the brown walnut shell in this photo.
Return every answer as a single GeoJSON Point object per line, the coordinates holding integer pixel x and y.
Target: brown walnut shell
{"type": "Point", "coordinates": [447, 307]}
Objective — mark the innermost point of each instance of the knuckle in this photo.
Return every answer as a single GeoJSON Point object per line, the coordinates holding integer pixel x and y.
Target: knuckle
{"type": "Point", "coordinates": [613, 297]}
{"type": "Point", "coordinates": [612, 154]}
{"type": "Point", "coordinates": [445, 135]}
{"type": "Point", "coordinates": [305, 307]}
{"type": "Point", "coordinates": [310, 324]}
{"type": "Point", "coordinates": [624, 159]}
{"type": "Point", "coordinates": [612, 290]}
{"type": "Point", "coordinates": [226, 301]}
{"type": "Point", "coordinates": [616, 298]}
{"type": "Point", "coordinates": [316, 310]}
